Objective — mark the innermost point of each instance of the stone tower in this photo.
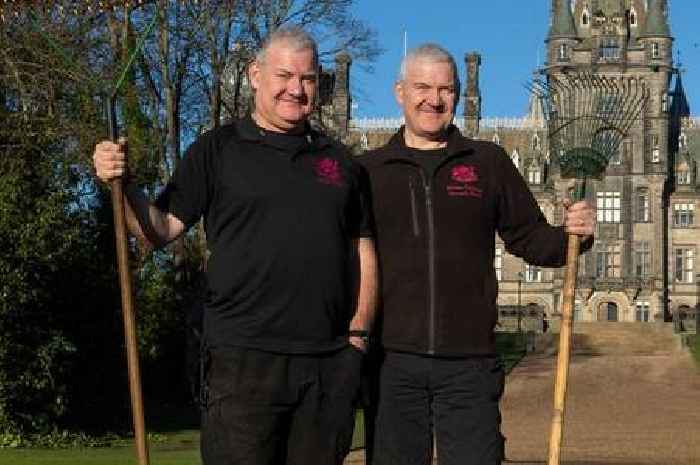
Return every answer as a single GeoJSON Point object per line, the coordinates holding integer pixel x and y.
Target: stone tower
{"type": "Point", "coordinates": [625, 276]}
{"type": "Point", "coordinates": [342, 101]}
{"type": "Point", "coordinates": [472, 95]}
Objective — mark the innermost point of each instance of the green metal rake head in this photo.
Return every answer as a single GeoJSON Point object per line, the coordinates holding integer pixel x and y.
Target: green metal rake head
{"type": "Point", "coordinates": [588, 116]}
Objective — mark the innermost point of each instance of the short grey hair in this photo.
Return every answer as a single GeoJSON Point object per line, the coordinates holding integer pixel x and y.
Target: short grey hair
{"type": "Point", "coordinates": [433, 53]}
{"type": "Point", "coordinates": [294, 36]}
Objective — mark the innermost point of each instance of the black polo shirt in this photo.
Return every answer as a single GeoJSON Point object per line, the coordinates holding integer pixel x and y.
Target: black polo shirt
{"type": "Point", "coordinates": [280, 212]}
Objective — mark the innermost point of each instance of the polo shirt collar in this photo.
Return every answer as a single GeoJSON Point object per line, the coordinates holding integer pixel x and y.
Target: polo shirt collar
{"type": "Point", "coordinates": [248, 130]}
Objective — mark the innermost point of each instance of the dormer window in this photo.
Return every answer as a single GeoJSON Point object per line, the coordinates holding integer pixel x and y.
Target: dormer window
{"type": "Point", "coordinates": [534, 175]}
{"type": "Point", "coordinates": [655, 52]}
{"type": "Point", "coordinates": [683, 174]}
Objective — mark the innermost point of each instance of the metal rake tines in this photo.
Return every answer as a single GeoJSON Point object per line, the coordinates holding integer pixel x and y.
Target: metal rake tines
{"type": "Point", "coordinates": [588, 116]}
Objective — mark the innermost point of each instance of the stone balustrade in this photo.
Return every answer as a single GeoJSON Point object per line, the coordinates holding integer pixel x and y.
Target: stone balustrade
{"type": "Point", "coordinates": [380, 124]}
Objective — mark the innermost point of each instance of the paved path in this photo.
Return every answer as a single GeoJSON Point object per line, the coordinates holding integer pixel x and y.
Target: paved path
{"type": "Point", "coordinates": [621, 410]}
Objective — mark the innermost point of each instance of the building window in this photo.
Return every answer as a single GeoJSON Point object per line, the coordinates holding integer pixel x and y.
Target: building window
{"type": "Point", "coordinates": [633, 18]}
{"type": "Point", "coordinates": [683, 215]}
{"type": "Point", "coordinates": [532, 274]}
{"type": "Point", "coordinates": [578, 310]}
{"type": "Point", "coordinates": [535, 142]}
{"type": "Point", "coordinates": [655, 53]}
{"type": "Point", "coordinates": [495, 139]}
{"type": "Point", "coordinates": [642, 211]}
{"type": "Point", "coordinates": [534, 176]}
{"type": "Point", "coordinates": [585, 18]}
{"type": "Point", "coordinates": [642, 260]}
{"type": "Point", "coordinates": [563, 52]}
{"type": "Point", "coordinates": [609, 49]}
{"type": "Point", "coordinates": [684, 265]}
{"type": "Point", "coordinates": [608, 261]}
{"type": "Point", "coordinates": [683, 177]}
{"type": "Point", "coordinates": [682, 141]}
{"type": "Point", "coordinates": [683, 174]}
{"type": "Point", "coordinates": [641, 311]}
{"type": "Point", "coordinates": [498, 263]}
{"type": "Point", "coordinates": [655, 151]}
{"type": "Point", "coordinates": [608, 206]}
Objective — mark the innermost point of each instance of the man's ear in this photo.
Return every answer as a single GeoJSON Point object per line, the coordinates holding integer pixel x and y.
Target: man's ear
{"type": "Point", "coordinates": [254, 74]}
{"type": "Point", "coordinates": [399, 92]}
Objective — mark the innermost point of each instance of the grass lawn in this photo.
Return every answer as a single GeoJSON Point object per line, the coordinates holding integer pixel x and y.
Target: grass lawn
{"type": "Point", "coordinates": [181, 446]}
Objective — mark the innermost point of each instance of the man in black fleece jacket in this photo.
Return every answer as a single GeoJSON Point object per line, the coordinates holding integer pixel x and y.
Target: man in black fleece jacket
{"type": "Point", "coordinates": [439, 199]}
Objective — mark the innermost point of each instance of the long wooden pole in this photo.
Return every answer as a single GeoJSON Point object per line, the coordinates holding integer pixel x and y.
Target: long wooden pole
{"type": "Point", "coordinates": [562, 375]}
{"type": "Point", "coordinates": [132, 354]}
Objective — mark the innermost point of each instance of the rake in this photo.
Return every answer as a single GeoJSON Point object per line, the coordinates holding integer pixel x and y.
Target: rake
{"type": "Point", "coordinates": [588, 116]}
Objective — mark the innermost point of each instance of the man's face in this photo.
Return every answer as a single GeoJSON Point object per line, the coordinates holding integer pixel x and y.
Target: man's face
{"type": "Point", "coordinates": [285, 87]}
{"type": "Point", "coordinates": [427, 95]}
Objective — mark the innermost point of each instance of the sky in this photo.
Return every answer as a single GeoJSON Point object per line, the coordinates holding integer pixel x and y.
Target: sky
{"type": "Point", "coordinates": [509, 35]}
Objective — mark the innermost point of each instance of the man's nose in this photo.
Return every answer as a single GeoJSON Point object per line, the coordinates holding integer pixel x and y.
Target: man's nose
{"type": "Point", "coordinates": [295, 87]}
{"type": "Point", "coordinates": [434, 98]}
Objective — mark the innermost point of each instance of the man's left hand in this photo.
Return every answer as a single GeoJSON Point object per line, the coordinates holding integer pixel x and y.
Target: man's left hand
{"type": "Point", "coordinates": [359, 343]}
{"type": "Point", "coordinates": [579, 218]}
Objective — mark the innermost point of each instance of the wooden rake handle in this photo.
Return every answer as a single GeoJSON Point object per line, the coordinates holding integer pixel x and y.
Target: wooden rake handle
{"type": "Point", "coordinates": [132, 354]}
{"type": "Point", "coordinates": [562, 375]}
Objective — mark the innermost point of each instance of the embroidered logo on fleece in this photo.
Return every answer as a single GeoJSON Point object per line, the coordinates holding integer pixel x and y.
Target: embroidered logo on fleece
{"type": "Point", "coordinates": [462, 180]}
{"type": "Point", "coordinates": [328, 171]}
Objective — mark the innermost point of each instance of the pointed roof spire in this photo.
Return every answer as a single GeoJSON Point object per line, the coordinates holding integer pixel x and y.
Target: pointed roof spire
{"type": "Point", "coordinates": [679, 105]}
{"type": "Point", "coordinates": [657, 22]}
{"type": "Point", "coordinates": [535, 111]}
{"type": "Point", "coordinates": [562, 20]}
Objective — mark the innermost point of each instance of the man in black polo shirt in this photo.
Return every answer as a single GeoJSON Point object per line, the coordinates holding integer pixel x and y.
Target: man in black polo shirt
{"type": "Point", "coordinates": [439, 200]}
{"type": "Point", "coordinates": [288, 223]}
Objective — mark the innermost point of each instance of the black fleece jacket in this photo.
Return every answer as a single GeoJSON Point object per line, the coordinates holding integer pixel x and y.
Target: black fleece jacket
{"type": "Point", "coordinates": [435, 234]}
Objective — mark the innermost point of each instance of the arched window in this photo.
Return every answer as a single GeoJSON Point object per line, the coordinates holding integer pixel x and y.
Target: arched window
{"type": "Point", "coordinates": [496, 139]}
{"type": "Point", "coordinates": [633, 17]}
{"type": "Point", "coordinates": [535, 142]}
{"type": "Point", "coordinates": [585, 18]}
{"type": "Point", "coordinates": [363, 141]}
{"type": "Point", "coordinates": [682, 141]}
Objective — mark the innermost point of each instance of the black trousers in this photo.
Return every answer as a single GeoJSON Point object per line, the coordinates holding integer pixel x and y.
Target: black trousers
{"type": "Point", "coordinates": [454, 398]}
{"type": "Point", "coordinates": [274, 409]}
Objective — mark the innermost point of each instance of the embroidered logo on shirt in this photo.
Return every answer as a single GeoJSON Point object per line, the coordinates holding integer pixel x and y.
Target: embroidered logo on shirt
{"type": "Point", "coordinates": [328, 171]}
{"type": "Point", "coordinates": [462, 180]}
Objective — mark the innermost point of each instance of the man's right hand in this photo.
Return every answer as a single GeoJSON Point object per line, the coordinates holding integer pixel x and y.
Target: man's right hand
{"type": "Point", "coordinates": [110, 160]}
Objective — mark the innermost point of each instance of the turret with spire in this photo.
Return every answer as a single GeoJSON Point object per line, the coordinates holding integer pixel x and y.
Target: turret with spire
{"type": "Point", "coordinates": [563, 36]}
